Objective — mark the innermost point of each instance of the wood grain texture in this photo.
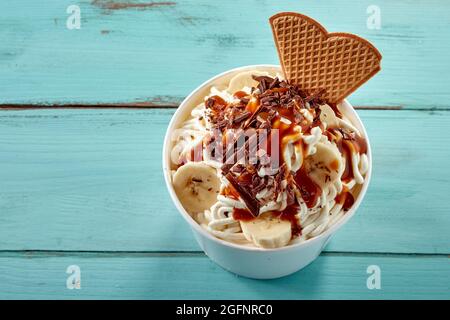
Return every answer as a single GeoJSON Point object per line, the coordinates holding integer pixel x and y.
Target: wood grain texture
{"type": "Point", "coordinates": [84, 186]}
{"type": "Point", "coordinates": [160, 105]}
{"type": "Point", "coordinates": [143, 276]}
{"type": "Point", "coordinates": [91, 180]}
{"type": "Point", "coordinates": [128, 52]}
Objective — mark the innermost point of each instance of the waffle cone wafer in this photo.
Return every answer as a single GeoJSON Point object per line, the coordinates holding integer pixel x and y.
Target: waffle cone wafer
{"type": "Point", "coordinates": [314, 59]}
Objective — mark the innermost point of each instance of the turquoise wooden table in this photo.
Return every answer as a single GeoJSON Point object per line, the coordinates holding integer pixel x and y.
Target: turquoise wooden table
{"type": "Point", "coordinates": [83, 114]}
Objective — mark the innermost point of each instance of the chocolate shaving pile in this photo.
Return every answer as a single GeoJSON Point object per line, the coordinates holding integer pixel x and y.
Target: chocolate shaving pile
{"type": "Point", "coordinates": [273, 96]}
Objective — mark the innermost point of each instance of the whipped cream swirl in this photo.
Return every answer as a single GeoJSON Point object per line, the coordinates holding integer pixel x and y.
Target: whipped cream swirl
{"type": "Point", "coordinates": [322, 161]}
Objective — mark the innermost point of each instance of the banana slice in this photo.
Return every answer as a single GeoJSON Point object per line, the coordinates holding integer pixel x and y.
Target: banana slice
{"type": "Point", "coordinates": [328, 116]}
{"type": "Point", "coordinates": [244, 79]}
{"type": "Point", "coordinates": [267, 231]}
{"type": "Point", "coordinates": [197, 186]}
{"type": "Point", "coordinates": [326, 165]}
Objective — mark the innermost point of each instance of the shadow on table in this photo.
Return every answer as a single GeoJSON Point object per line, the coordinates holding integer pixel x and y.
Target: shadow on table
{"type": "Point", "coordinates": [304, 284]}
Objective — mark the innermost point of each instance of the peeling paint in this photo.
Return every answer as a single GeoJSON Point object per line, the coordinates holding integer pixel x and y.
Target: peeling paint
{"type": "Point", "coordinates": [121, 5]}
{"type": "Point", "coordinates": [226, 41]}
{"type": "Point", "coordinates": [192, 21]}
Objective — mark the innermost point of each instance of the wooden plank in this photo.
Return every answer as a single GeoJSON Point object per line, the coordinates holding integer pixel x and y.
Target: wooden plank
{"type": "Point", "coordinates": [145, 105]}
{"type": "Point", "coordinates": [196, 277]}
{"type": "Point", "coordinates": [91, 180]}
{"type": "Point", "coordinates": [133, 105]}
{"type": "Point", "coordinates": [129, 51]}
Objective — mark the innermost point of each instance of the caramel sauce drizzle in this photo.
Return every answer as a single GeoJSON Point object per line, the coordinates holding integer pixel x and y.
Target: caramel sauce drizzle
{"type": "Point", "coordinates": [346, 142]}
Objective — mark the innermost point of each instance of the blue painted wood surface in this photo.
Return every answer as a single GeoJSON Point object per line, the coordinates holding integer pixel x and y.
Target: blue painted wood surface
{"type": "Point", "coordinates": [162, 276]}
{"type": "Point", "coordinates": [84, 186]}
{"type": "Point", "coordinates": [160, 53]}
{"type": "Point", "coordinates": [93, 179]}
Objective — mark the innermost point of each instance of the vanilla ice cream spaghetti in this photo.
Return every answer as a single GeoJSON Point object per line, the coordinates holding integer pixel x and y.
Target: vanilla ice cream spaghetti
{"type": "Point", "coordinates": [323, 161]}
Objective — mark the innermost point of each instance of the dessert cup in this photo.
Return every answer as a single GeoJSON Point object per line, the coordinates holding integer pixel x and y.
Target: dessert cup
{"type": "Point", "coordinates": [247, 261]}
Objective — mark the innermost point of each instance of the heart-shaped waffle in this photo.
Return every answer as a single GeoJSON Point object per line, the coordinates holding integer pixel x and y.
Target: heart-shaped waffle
{"type": "Point", "coordinates": [314, 59]}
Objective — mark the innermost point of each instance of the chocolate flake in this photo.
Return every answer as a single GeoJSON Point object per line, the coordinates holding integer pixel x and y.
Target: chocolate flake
{"type": "Point", "coordinates": [252, 203]}
{"type": "Point", "coordinates": [242, 117]}
{"type": "Point", "coordinates": [274, 97]}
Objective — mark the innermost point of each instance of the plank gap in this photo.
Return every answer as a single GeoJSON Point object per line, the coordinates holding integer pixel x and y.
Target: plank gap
{"type": "Point", "coordinates": [159, 105]}
{"type": "Point", "coordinates": [169, 254]}
{"type": "Point", "coordinates": [156, 105]}
{"type": "Point", "coordinates": [139, 105]}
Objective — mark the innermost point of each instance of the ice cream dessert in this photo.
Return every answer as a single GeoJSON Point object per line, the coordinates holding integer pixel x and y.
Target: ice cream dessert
{"type": "Point", "coordinates": [269, 160]}
{"type": "Point", "coordinates": [262, 163]}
